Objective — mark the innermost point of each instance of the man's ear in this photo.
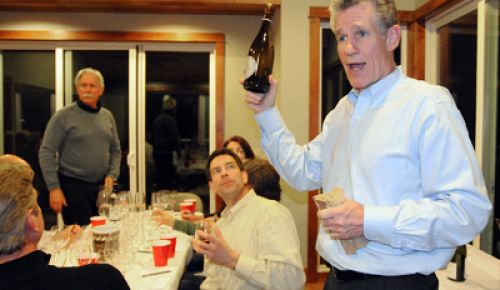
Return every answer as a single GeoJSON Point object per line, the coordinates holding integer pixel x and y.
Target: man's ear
{"type": "Point", "coordinates": [101, 91]}
{"type": "Point", "coordinates": [244, 175]}
{"type": "Point", "coordinates": [393, 37]}
{"type": "Point", "coordinates": [32, 220]}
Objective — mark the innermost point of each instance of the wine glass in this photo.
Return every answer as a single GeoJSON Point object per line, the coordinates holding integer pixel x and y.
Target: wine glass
{"type": "Point", "coordinates": [157, 201]}
{"type": "Point", "coordinates": [60, 241]}
{"type": "Point", "coordinates": [206, 225]}
{"type": "Point", "coordinates": [82, 254]}
{"type": "Point", "coordinates": [104, 202]}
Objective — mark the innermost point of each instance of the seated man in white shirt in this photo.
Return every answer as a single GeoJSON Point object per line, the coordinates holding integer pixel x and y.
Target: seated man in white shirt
{"type": "Point", "coordinates": [255, 243]}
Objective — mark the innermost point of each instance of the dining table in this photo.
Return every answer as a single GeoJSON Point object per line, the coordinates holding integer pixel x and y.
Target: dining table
{"type": "Point", "coordinates": [140, 273]}
{"type": "Point", "coordinates": [143, 275]}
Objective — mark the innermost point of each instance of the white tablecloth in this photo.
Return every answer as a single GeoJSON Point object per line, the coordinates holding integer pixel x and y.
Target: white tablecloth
{"type": "Point", "coordinates": [164, 281]}
{"type": "Point", "coordinates": [482, 272]}
{"type": "Point", "coordinates": [143, 264]}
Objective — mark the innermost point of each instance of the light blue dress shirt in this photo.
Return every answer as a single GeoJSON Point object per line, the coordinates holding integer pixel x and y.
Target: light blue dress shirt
{"type": "Point", "coordinates": [400, 148]}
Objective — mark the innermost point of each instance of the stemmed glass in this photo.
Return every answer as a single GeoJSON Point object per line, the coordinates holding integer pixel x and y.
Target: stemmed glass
{"type": "Point", "coordinates": [206, 225]}
{"type": "Point", "coordinates": [104, 202]}
{"type": "Point", "coordinates": [83, 254]}
{"type": "Point", "coordinates": [157, 201]}
{"type": "Point", "coordinates": [60, 242]}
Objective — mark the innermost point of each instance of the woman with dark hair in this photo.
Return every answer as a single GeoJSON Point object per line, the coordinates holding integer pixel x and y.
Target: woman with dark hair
{"type": "Point", "coordinates": [240, 146]}
{"type": "Point", "coordinates": [263, 178]}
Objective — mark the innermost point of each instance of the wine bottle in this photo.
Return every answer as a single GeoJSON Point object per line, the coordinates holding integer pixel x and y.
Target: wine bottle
{"type": "Point", "coordinates": [260, 57]}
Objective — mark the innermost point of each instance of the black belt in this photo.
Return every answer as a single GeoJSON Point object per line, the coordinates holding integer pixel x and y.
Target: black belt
{"type": "Point", "coordinates": [347, 275]}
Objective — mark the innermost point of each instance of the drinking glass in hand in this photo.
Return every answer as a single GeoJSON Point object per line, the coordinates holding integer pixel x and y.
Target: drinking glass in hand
{"type": "Point", "coordinates": [205, 225]}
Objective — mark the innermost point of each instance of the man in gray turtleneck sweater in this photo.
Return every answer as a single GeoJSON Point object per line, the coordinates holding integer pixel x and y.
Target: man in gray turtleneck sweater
{"type": "Point", "coordinates": [80, 151]}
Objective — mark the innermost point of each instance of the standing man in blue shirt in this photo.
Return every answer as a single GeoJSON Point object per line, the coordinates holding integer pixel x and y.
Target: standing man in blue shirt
{"type": "Point", "coordinates": [80, 151]}
{"type": "Point", "coordinates": [399, 149]}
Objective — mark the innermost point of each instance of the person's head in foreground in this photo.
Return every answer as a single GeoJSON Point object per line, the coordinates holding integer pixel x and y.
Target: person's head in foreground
{"type": "Point", "coordinates": [21, 228]}
{"type": "Point", "coordinates": [21, 219]}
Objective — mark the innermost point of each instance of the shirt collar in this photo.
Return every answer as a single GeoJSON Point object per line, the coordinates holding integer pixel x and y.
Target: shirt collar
{"type": "Point", "coordinates": [87, 108]}
{"type": "Point", "coordinates": [377, 92]}
{"type": "Point", "coordinates": [240, 205]}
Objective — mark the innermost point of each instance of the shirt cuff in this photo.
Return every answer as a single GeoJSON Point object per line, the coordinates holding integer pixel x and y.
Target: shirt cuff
{"type": "Point", "coordinates": [245, 266]}
{"type": "Point", "coordinates": [379, 223]}
{"type": "Point", "coordinates": [270, 120]}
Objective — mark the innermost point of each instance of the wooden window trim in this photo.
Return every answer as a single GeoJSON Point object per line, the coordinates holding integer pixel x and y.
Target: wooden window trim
{"type": "Point", "coordinates": [215, 7]}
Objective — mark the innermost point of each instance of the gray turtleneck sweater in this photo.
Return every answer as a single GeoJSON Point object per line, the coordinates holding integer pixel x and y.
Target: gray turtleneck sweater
{"type": "Point", "coordinates": [82, 143]}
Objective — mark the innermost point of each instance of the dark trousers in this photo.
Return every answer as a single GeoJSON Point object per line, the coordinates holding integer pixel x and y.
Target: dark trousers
{"type": "Point", "coordinates": [191, 279]}
{"type": "Point", "coordinates": [349, 280]}
{"type": "Point", "coordinates": [81, 197]}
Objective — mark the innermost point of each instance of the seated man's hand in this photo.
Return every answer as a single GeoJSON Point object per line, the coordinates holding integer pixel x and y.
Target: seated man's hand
{"type": "Point", "coordinates": [75, 232]}
{"type": "Point", "coordinates": [189, 216]}
{"type": "Point", "coordinates": [163, 218]}
{"type": "Point", "coordinates": [215, 248]}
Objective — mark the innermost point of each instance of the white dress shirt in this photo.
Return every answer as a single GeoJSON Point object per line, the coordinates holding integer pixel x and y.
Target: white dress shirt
{"type": "Point", "coordinates": [400, 148]}
{"type": "Point", "coordinates": [264, 233]}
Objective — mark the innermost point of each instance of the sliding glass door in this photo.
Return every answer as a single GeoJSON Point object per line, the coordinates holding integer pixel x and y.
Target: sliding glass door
{"type": "Point", "coordinates": [36, 83]}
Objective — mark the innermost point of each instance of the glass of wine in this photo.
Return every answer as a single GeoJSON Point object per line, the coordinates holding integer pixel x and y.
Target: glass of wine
{"type": "Point", "coordinates": [82, 254]}
{"type": "Point", "coordinates": [206, 225]}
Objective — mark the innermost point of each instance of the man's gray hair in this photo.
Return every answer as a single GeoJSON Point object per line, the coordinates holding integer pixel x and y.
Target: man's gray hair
{"type": "Point", "coordinates": [89, 70]}
{"type": "Point", "coordinates": [386, 12]}
{"type": "Point", "coordinates": [17, 195]}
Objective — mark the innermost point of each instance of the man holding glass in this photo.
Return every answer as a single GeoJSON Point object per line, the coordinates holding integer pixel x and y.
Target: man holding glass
{"type": "Point", "coordinates": [22, 266]}
{"type": "Point", "coordinates": [399, 150]}
{"type": "Point", "coordinates": [254, 244]}
{"type": "Point", "coordinates": [80, 151]}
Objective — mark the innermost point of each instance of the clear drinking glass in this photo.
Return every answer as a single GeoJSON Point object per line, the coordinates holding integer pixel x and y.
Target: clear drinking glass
{"type": "Point", "coordinates": [104, 202]}
{"type": "Point", "coordinates": [157, 201]}
{"type": "Point", "coordinates": [82, 254]}
{"type": "Point", "coordinates": [60, 243]}
{"type": "Point", "coordinates": [207, 225]}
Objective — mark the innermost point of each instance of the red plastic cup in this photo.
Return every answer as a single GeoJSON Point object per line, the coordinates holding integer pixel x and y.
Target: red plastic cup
{"type": "Point", "coordinates": [97, 220]}
{"type": "Point", "coordinates": [161, 250]}
{"type": "Point", "coordinates": [191, 200]}
{"type": "Point", "coordinates": [188, 206]}
{"type": "Point", "coordinates": [173, 241]}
